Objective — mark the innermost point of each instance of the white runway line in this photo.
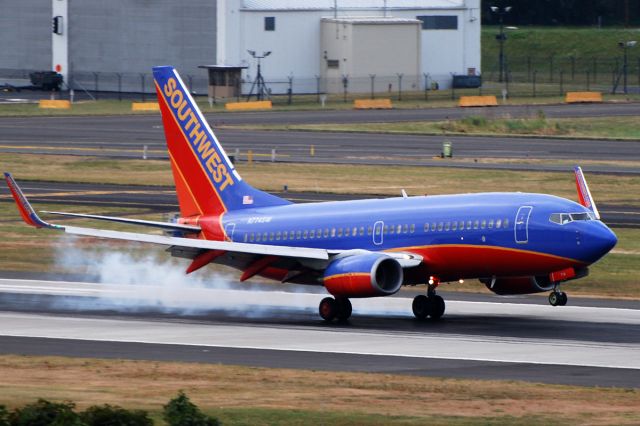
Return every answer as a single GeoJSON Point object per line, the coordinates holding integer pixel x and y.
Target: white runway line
{"type": "Point", "coordinates": [415, 343]}
{"type": "Point", "coordinates": [315, 339]}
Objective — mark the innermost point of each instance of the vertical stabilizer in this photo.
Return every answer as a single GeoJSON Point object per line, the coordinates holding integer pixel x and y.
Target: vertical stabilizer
{"type": "Point", "coordinates": [206, 180]}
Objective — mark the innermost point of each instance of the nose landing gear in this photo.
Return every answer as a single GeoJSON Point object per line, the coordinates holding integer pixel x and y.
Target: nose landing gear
{"type": "Point", "coordinates": [558, 298]}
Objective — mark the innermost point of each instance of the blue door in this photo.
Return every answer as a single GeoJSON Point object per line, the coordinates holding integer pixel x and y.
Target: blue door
{"type": "Point", "coordinates": [522, 224]}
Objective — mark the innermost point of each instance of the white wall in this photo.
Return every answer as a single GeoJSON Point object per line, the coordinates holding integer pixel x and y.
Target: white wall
{"type": "Point", "coordinates": [295, 43]}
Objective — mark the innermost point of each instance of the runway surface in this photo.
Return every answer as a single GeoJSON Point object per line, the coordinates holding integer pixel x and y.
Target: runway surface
{"type": "Point", "coordinates": [163, 199]}
{"type": "Point", "coordinates": [484, 337]}
{"type": "Point", "coordinates": [126, 136]}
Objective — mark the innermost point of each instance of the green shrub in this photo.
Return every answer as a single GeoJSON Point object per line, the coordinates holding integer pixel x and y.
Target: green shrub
{"type": "Point", "coordinates": [4, 416]}
{"type": "Point", "coordinates": [180, 411]}
{"type": "Point", "coordinates": [109, 415]}
{"type": "Point", "coordinates": [45, 413]}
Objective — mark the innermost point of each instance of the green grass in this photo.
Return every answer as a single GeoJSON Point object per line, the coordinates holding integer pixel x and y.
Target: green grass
{"type": "Point", "coordinates": [559, 42]}
{"type": "Point", "coordinates": [537, 125]}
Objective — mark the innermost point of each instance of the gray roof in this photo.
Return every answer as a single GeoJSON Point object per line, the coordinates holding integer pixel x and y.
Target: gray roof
{"type": "Point", "coordinates": [350, 4]}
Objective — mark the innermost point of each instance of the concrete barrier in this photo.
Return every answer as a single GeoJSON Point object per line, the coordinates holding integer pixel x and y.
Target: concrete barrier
{"type": "Point", "coordinates": [583, 97]}
{"type": "Point", "coordinates": [145, 106]}
{"type": "Point", "coordinates": [477, 101]}
{"type": "Point", "coordinates": [245, 106]}
{"type": "Point", "coordinates": [54, 104]}
{"type": "Point", "coordinates": [372, 104]}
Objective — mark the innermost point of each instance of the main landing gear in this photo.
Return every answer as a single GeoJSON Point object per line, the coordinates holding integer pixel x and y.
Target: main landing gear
{"type": "Point", "coordinates": [338, 308]}
{"type": "Point", "coordinates": [557, 298]}
{"type": "Point", "coordinates": [431, 305]}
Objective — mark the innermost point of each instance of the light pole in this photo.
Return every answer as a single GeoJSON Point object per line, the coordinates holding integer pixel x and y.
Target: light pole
{"type": "Point", "coordinates": [501, 11]}
{"type": "Point", "coordinates": [625, 45]}
{"type": "Point", "coordinates": [258, 83]}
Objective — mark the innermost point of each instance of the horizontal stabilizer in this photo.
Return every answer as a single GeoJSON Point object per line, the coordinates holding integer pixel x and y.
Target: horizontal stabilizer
{"type": "Point", "coordinates": [162, 225]}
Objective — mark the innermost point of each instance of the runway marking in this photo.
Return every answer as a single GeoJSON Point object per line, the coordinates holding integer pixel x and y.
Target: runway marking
{"type": "Point", "coordinates": [292, 340]}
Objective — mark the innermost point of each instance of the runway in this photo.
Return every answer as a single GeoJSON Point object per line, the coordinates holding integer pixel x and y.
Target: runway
{"type": "Point", "coordinates": [126, 137]}
{"type": "Point", "coordinates": [480, 337]}
{"type": "Point", "coordinates": [162, 199]}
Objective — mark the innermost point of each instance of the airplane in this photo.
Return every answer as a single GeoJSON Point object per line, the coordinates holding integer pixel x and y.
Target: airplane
{"type": "Point", "coordinates": [514, 243]}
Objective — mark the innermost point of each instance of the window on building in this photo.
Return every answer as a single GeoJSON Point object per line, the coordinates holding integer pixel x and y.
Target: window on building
{"type": "Point", "coordinates": [270, 23]}
{"type": "Point", "coordinates": [439, 22]}
{"type": "Point", "coordinates": [333, 63]}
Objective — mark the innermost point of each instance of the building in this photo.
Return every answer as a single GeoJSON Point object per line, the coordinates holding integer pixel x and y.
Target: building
{"type": "Point", "coordinates": [314, 45]}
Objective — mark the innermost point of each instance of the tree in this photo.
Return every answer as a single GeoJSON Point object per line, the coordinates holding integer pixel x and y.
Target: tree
{"type": "Point", "coordinates": [180, 411]}
{"type": "Point", "coordinates": [109, 415]}
{"type": "Point", "coordinates": [45, 413]}
{"type": "Point", "coordinates": [4, 416]}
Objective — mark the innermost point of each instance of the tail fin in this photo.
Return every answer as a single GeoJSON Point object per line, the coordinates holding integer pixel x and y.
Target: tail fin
{"type": "Point", "coordinates": [584, 195]}
{"type": "Point", "coordinates": [206, 180]}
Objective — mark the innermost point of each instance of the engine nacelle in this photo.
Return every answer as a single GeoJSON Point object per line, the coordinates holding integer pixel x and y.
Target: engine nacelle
{"type": "Point", "coordinates": [518, 285]}
{"type": "Point", "coordinates": [363, 275]}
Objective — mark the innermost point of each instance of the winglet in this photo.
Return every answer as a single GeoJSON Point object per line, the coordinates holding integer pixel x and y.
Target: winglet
{"type": "Point", "coordinates": [584, 195]}
{"type": "Point", "coordinates": [26, 211]}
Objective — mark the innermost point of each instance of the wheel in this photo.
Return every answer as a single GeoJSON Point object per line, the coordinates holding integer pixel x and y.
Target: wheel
{"type": "Point", "coordinates": [328, 309]}
{"type": "Point", "coordinates": [437, 307]}
{"type": "Point", "coordinates": [344, 308]}
{"type": "Point", "coordinates": [420, 306]}
{"type": "Point", "coordinates": [563, 298]}
{"type": "Point", "coordinates": [554, 298]}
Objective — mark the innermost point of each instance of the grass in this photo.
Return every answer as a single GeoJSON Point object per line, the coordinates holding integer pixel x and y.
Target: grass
{"type": "Point", "coordinates": [539, 125]}
{"type": "Point", "coordinates": [601, 128]}
{"type": "Point", "coordinates": [328, 178]}
{"type": "Point", "coordinates": [247, 395]}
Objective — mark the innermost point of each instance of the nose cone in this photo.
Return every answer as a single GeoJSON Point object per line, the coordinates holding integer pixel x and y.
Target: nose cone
{"type": "Point", "coordinates": [600, 241]}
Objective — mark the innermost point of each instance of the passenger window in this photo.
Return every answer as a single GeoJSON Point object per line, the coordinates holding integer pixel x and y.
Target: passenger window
{"type": "Point", "coordinates": [264, 236]}
{"type": "Point", "coordinates": [440, 226]}
{"type": "Point", "coordinates": [412, 228]}
{"type": "Point", "coordinates": [385, 230]}
{"type": "Point", "coordinates": [333, 232]}
{"type": "Point", "coordinates": [258, 238]}
{"type": "Point", "coordinates": [298, 234]}
{"type": "Point", "coordinates": [433, 226]}
{"type": "Point", "coordinates": [355, 231]}
{"type": "Point", "coordinates": [454, 226]}
{"type": "Point", "coordinates": [326, 233]}
{"type": "Point", "coordinates": [505, 223]}
{"type": "Point", "coordinates": [347, 232]}
{"type": "Point", "coordinates": [312, 234]}
{"type": "Point", "coordinates": [369, 230]}
{"type": "Point", "coordinates": [426, 227]}
{"type": "Point", "coordinates": [271, 236]}
{"type": "Point", "coordinates": [305, 234]}
{"type": "Point", "coordinates": [361, 231]}
{"type": "Point", "coordinates": [319, 233]}
{"type": "Point", "coordinates": [278, 235]}
{"type": "Point", "coordinates": [483, 224]}
{"type": "Point", "coordinates": [491, 224]}
{"type": "Point", "coordinates": [468, 225]}
{"type": "Point", "coordinates": [498, 223]}
{"type": "Point", "coordinates": [447, 226]}
{"type": "Point", "coordinates": [339, 232]}
{"type": "Point", "coordinates": [246, 237]}
{"type": "Point", "coordinates": [392, 229]}
{"type": "Point", "coordinates": [476, 224]}
{"type": "Point", "coordinates": [461, 226]}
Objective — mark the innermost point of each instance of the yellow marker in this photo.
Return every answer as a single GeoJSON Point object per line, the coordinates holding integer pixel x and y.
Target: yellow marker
{"type": "Point", "coordinates": [250, 157]}
{"type": "Point", "coordinates": [312, 151]}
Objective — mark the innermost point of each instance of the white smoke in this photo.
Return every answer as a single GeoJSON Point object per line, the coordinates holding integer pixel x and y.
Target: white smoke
{"type": "Point", "coordinates": [141, 278]}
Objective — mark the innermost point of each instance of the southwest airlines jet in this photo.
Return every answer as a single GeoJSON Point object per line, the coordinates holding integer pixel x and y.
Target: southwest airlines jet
{"type": "Point", "coordinates": [514, 243]}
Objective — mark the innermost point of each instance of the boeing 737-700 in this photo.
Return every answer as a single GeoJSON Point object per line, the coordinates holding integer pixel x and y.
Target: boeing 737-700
{"type": "Point", "coordinates": [514, 243]}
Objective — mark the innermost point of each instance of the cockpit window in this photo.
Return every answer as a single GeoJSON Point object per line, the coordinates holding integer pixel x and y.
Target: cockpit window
{"type": "Point", "coordinates": [564, 218]}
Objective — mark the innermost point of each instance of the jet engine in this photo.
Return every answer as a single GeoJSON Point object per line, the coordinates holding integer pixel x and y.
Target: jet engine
{"type": "Point", "coordinates": [363, 275]}
{"type": "Point", "coordinates": [518, 285]}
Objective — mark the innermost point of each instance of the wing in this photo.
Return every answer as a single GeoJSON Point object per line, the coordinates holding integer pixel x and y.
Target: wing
{"type": "Point", "coordinates": [290, 264]}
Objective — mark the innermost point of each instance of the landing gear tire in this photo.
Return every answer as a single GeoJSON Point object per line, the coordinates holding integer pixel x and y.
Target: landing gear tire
{"type": "Point", "coordinates": [420, 306]}
{"type": "Point", "coordinates": [344, 308]}
{"type": "Point", "coordinates": [558, 298]}
{"type": "Point", "coordinates": [437, 307]}
{"type": "Point", "coordinates": [328, 309]}
{"type": "Point", "coordinates": [432, 307]}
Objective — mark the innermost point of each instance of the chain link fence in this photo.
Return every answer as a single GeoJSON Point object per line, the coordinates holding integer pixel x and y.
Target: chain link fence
{"type": "Point", "coordinates": [524, 76]}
